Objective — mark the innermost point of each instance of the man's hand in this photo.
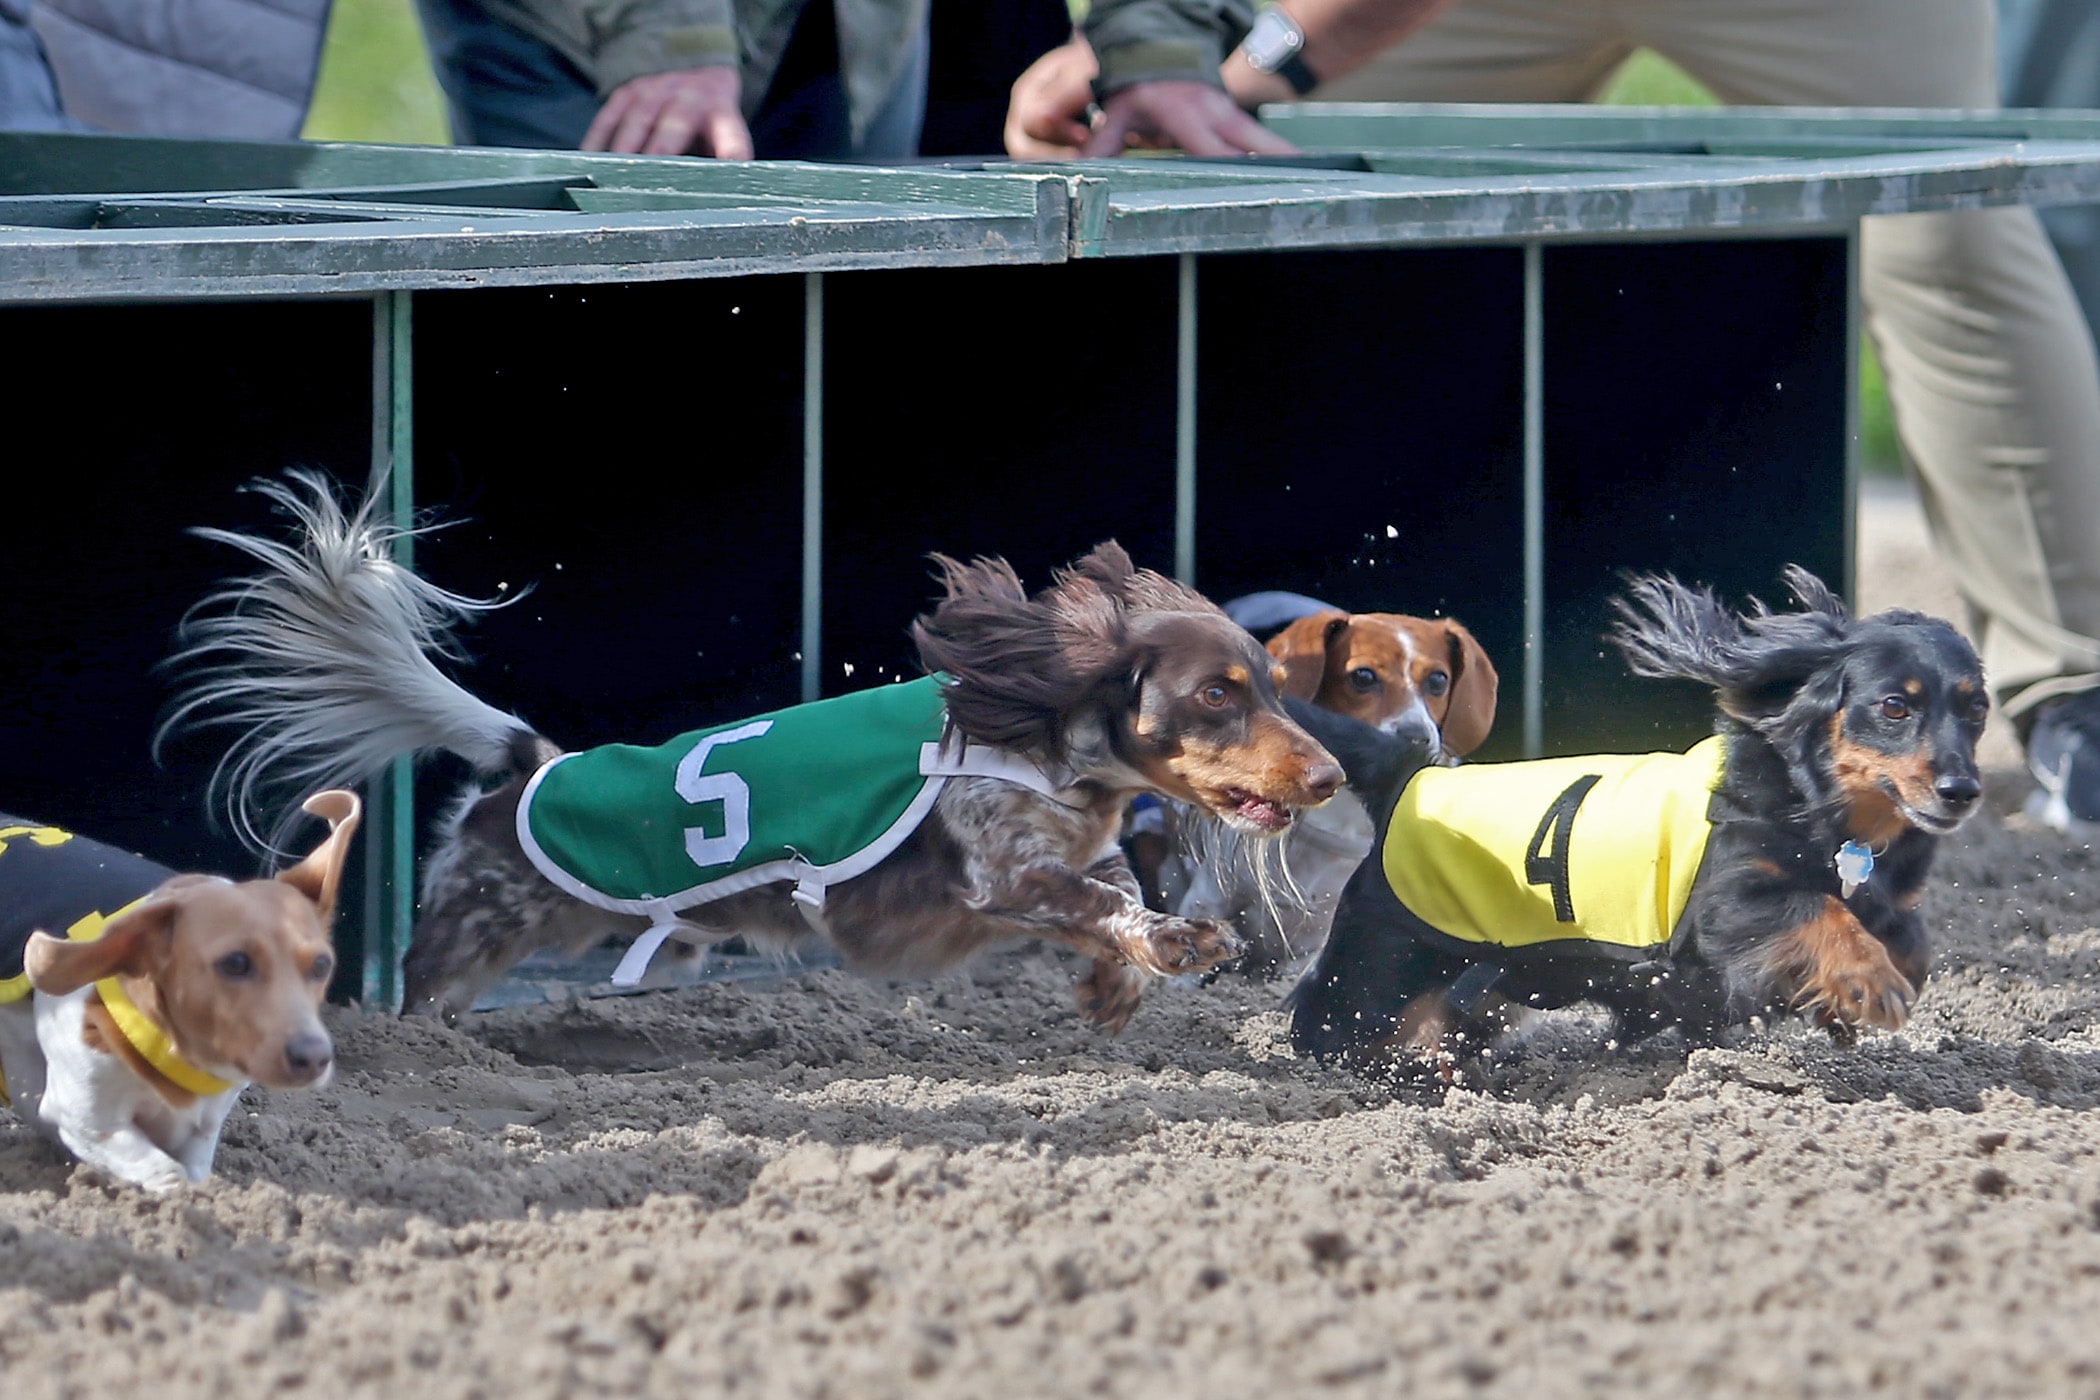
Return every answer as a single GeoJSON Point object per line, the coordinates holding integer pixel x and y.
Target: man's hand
{"type": "Point", "coordinates": [1197, 118]}
{"type": "Point", "coordinates": [696, 111]}
{"type": "Point", "coordinates": [1046, 111]}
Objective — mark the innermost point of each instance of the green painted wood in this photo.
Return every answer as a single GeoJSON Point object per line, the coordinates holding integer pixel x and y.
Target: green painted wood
{"type": "Point", "coordinates": [95, 218]}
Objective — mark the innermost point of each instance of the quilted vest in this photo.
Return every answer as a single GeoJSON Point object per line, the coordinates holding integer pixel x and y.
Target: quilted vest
{"type": "Point", "coordinates": [227, 68]}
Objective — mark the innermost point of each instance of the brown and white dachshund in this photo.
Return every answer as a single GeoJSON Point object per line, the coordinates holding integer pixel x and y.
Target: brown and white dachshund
{"type": "Point", "coordinates": [130, 1035]}
{"type": "Point", "coordinates": [1425, 680]}
{"type": "Point", "coordinates": [1113, 680]}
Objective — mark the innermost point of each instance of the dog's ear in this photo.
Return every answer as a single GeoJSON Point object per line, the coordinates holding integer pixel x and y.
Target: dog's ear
{"type": "Point", "coordinates": [1305, 647]}
{"type": "Point", "coordinates": [320, 875]}
{"type": "Point", "coordinates": [1813, 593]}
{"type": "Point", "coordinates": [135, 941]}
{"type": "Point", "coordinates": [1474, 686]}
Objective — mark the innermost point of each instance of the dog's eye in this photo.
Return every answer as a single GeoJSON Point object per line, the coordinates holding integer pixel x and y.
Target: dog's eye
{"type": "Point", "coordinates": [323, 967]}
{"type": "Point", "coordinates": [235, 966]}
{"type": "Point", "coordinates": [1214, 696]}
{"type": "Point", "coordinates": [1436, 683]}
{"type": "Point", "coordinates": [1979, 708]}
{"type": "Point", "coordinates": [1364, 678]}
{"type": "Point", "coordinates": [1895, 707]}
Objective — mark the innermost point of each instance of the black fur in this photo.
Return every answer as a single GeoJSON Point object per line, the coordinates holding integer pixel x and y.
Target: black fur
{"type": "Point", "coordinates": [1816, 754]}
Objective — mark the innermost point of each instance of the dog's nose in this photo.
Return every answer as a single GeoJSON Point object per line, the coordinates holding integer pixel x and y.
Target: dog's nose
{"type": "Point", "coordinates": [1323, 779]}
{"type": "Point", "coordinates": [308, 1056]}
{"type": "Point", "coordinates": [1958, 789]}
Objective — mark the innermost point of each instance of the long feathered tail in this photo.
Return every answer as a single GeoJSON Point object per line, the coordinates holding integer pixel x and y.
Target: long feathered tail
{"type": "Point", "coordinates": [322, 661]}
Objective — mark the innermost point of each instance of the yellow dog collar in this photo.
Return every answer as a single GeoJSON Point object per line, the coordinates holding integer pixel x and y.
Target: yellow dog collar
{"type": "Point", "coordinates": [152, 1042]}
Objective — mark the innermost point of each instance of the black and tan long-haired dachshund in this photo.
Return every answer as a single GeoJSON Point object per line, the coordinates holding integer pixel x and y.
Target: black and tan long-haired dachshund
{"type": "Point", "coordinates": [907, 826]}
{"type": "Point", "coordinates": [1777, 865]}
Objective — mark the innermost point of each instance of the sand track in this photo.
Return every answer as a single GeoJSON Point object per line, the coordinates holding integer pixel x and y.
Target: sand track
{"type": "Point", "coordinates": [831, 1186]}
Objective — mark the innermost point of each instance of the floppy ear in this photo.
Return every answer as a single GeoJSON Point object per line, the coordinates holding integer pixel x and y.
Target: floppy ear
{"type": "Point", "coordinates": [321, 873]}
{"type": "Point", "coordinates": [1303, 648]}
{"type": "Point", "coordinates": [131, 942]}
{"type": "Point", "coordinates": [1471, 713]}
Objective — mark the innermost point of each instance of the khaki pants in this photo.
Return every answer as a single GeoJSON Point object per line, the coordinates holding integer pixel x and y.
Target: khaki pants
{"type": "Point", "coordinates": [1990, 365]}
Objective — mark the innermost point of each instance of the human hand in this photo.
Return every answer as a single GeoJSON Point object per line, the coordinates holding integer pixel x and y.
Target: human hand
{"type": "Point", "coordinates": [1197, 118]}
{"type": "Point", "coordinates": [1046, 111]}
{"type": "Point", "coordinates": [696, 111]}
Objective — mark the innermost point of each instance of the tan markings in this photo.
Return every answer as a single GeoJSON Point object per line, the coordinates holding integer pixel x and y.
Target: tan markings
{"type": "Point", "coordinates": [1768, 867]}
{"type": "Point", "coordinates": [1274, 763]}
{"type": "Point", "coordinates": [1864, 775]}
{"type": "Point", "coordinates": [1834, 970]}
{"type": "Point", "coordinates": [1238, 674]}
{"type": "Point", "coordinates": [1910, 899]}
{"type": "Point", "coordinates": [1279, 677]}
{"type": "Point", "coordinates": [98, 1029]}
{"type": "Point", "coordinates": [1914, 687]}
{"type": "Point", "coordinates": [1423, 1035]}
{"type": "Point", "coordinates": [1965, 687]}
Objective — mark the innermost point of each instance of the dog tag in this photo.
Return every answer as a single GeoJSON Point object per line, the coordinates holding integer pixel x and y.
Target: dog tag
{"type": "Point", "coordinates": [1855, 865]}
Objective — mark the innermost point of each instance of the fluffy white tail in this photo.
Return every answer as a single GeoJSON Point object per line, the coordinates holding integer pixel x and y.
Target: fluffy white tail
{"type": "Point", "coordinates": [322, 660]}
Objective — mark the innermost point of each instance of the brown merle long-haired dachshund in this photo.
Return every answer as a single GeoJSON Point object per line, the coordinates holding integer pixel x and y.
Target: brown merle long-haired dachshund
{"type": "Point", "coordinates": [1777, 866]}
{"type": "Point", "coordinates": [1052, 709]}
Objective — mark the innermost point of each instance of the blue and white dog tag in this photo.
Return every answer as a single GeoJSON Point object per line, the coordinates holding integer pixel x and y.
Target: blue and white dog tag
{"type": "Point", "coordinates": [1855, 866]}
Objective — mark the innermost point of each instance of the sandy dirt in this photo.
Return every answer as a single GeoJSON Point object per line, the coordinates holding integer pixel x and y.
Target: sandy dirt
{"type": "Point", "coordinates": [827, 1186]}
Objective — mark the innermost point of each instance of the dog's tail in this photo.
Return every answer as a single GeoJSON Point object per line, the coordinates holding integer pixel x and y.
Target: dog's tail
{"type": "Point", "coordinates": [322, 660]}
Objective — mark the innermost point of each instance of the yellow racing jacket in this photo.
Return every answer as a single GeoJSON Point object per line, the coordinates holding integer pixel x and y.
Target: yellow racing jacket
{"type": "Point", "coordinates": [1589, 855]}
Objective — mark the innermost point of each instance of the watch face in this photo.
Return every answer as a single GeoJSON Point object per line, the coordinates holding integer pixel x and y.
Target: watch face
{"type": "Point", "coordinates": [1272, 41]}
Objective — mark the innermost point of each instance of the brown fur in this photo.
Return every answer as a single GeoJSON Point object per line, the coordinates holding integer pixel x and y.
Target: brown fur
{"type": "Point", "coordinates": [1130, 681]}
{"type": "Point", "coordinates": [1875, 784]}
{"type": "Point", "coordinates": [1842, 973]}
{"type": "Point", "coordinates": [1374, 666]}
{"type": "Point", "coordinates": [167, 954]}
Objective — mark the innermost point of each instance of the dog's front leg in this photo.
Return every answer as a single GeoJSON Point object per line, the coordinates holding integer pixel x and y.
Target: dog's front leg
{"type": "Point", "coordinates": [200, 1149]}
{"type": "Point", "coordinates": [121, 1150]}
{"type": "Point", "coordinates": [1831, 967]}
{"type": "Point", "coordinates": [1101, 914]}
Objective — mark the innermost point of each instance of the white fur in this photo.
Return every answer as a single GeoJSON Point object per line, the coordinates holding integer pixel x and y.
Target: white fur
{"type": "Point", "coordinates": [322, 663]}
{"type": "Point", "coordinates": [1320, 852]}
{"type": "Point", "coordinates": [96, 1107]}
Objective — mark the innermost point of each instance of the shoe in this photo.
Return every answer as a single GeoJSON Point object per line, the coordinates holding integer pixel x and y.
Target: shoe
{"type": "Point", "coordinates": [2063, 752]}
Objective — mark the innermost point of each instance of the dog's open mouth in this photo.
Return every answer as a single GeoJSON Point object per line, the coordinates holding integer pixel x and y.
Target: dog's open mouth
{"type": "Point", "coordinates": [1259, 812]}
{"type": "Point", "coordinates": [1934, 823]}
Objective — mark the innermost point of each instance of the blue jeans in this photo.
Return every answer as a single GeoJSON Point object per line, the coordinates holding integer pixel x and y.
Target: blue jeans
{"type": "Point", "coordinates": [509, 89]}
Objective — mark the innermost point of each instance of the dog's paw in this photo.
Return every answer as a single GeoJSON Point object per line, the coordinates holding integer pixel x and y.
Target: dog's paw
{"type": "Point", "coordinates": [1867, 991]}
{"type": "Point", "coordinates": [1109, 994]}
{"type": "Point", "coordinates": [1175, 946]}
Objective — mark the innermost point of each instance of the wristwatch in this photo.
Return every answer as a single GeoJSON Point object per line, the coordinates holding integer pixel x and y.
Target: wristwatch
{"type": "Point", "coordinates": [1277, 45]}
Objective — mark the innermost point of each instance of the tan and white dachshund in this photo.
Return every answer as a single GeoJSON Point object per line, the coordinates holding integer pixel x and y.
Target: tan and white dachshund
{"type": "Point", "coordinates": [130, 1036]}
{"type": "Point", "coordinates": [1419, 678]}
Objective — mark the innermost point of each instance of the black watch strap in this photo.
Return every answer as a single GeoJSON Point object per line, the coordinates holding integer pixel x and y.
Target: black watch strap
{"type": "Point", "coordinates": [1298, 73]}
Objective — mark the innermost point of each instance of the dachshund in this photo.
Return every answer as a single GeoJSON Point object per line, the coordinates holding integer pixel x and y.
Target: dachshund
{"type": "Point", "coordinates": [907, 826]}
{"type": "Point", "coordinates": [1419, 678]}
{"type": "Point", "coordinates": [130, 1035]}
{"type": "Point", "coordinates": [1776, 866]}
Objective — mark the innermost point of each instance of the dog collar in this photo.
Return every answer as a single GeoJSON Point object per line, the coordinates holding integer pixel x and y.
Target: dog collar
{"type": "Point", "coordinates": [153, 1043]}
{"type": "Point", "coordinates": [1855, 866]}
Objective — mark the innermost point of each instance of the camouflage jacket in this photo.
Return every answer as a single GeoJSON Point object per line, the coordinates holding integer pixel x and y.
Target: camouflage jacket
{"type": "Point", "coordinates": [614, 41]}
{"type": "Point", "coordinates": [1139, 41]}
